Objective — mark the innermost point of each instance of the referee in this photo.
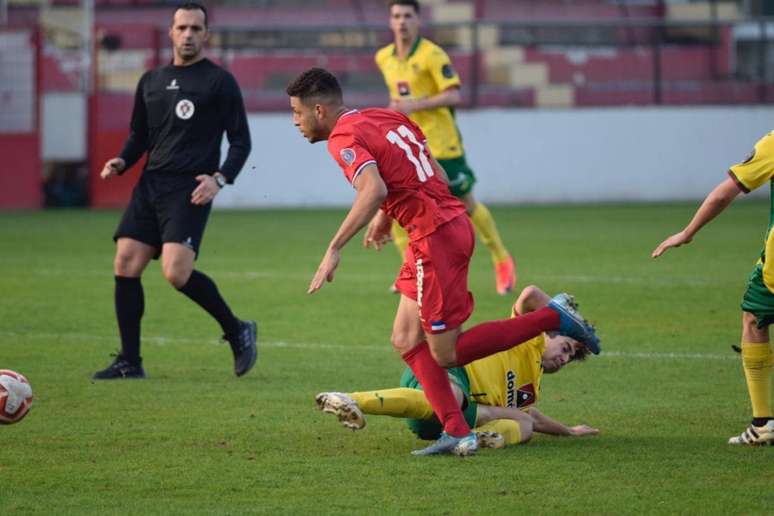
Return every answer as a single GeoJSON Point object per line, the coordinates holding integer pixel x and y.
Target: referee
{"type": "Point", "coordinates": [180, 113]}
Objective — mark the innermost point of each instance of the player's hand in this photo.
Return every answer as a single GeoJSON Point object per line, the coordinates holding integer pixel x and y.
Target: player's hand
{"type": "Point", "coordinates": [675, 240]}
{"type": "Point", "coordinates": [325, 271]}
{"type": "Point", "coordinates": [377, 234]}
{"type": "Point", "coordinates": [581, 430]}
{"type": "Point", "coordinates": [206, 191]}
{"type": "Point", "coordinates": [112, 167]}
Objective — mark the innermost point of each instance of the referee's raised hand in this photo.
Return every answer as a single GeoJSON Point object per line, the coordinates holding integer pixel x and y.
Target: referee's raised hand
{"type": "Point", "coordinates": [112, 167]}
{"type": "Point", "coordinates": [206, 191]}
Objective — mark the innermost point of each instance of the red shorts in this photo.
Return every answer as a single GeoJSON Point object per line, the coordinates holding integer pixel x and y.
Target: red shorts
{"type": "Point", "coordinates": [435, 275]}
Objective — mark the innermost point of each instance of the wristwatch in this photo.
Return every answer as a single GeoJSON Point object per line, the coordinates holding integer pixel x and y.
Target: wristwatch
{"type": "Point", "coordinates": [220, 180]}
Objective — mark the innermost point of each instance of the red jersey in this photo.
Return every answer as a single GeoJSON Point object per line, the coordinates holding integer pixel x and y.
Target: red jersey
{"type": "Point", "coordinates": [416, 197]}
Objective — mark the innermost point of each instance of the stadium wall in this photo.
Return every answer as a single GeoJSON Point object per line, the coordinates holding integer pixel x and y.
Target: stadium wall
{"type": "Point", "coordinates": [528, 156]}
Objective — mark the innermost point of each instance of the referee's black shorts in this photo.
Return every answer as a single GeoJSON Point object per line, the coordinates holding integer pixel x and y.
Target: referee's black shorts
{"type": "Point", "coordinates": [160, 212]}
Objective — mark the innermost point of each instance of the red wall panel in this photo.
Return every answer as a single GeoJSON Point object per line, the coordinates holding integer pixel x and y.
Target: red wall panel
{"type": "Point", "coordinates": [115, 192]}
{"type": "Point", "coordinates": [20, 171]}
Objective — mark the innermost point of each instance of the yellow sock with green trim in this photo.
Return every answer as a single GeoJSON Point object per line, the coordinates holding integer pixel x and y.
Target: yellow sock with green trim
{"type": "Point", "coordinates": [508, 428]}
{"type": "Point", "coordinates": [400, 402]}
{"type": "Point", "coordinates": [400, 237]}
{"type": "Point", "coordinates": [487, 232]}
{"type": "Point", "coordinates": [757, 360]}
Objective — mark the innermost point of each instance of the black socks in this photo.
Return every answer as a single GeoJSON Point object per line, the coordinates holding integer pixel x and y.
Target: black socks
{"type": "Point", "coordinates": [201, 289]}
{"type": "Point", "coordinates": [130, 305]}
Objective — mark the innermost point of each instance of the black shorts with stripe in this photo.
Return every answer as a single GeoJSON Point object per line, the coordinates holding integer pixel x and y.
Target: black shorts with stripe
{"type": "Point", "coordinates": [160, 211]}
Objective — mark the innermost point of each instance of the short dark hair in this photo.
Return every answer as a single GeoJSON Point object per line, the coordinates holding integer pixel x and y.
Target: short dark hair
{"type": "Point", "coordinates": [581, 352]}
{"type": "Point", "coordinates": [410, 3]}
{"type": "Point", "coordinates": [192, 6]}
{"type": "Point", "coordinates": [317, 83]}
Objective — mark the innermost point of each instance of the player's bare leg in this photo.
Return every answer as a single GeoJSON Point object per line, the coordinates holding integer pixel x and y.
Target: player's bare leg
{"type": "Point", "coordinates": [443, 347]}
{"type": "Point", "coordinates": [757, 361]}
{"type": "Point", "coordinates": [407, 329]}
{"type": "Point", "coordinates": [132, 256]}
{"type": "Point", "coordinates": [177, 263]}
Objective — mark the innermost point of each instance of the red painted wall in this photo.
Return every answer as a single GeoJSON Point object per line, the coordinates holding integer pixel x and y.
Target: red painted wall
{"type": "Point", "coordinates": [20, 171]}
{"type": "Point", "coordinates": [109, 129]}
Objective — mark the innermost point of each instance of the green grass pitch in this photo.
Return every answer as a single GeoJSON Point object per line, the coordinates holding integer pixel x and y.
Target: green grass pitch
{"type": "Point", "coordinates": [193, 439]}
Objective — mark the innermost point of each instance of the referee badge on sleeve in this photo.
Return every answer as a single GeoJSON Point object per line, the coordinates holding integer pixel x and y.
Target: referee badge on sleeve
{"type": "Point", "coordinates": [185, 109]}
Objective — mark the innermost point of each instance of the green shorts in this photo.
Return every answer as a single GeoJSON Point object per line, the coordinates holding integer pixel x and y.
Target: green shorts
{"type": "Point", "coordinates": [758, 299]}
{"type": "Point", "coordinates": [430, 429]}
{"type": "Point", "coordinates": [461, 178]}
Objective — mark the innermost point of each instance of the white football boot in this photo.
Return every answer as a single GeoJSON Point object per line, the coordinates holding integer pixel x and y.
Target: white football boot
{"type": "Point", "coordinates": [343, 407]}
{"type": "Point", "coordinates": [490, 440]}
{"type": "Point", "coordinates": [756, 435]}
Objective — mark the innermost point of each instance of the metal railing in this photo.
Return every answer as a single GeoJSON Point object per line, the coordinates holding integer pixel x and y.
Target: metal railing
{"type": "Point", "coordinates": [512, 64]}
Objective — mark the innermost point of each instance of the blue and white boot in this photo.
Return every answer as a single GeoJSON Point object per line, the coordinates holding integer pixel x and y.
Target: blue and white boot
{"type": "Point", "coordinates": [460, 446]}
{"type": "Point", "coordinates": [572, 324]}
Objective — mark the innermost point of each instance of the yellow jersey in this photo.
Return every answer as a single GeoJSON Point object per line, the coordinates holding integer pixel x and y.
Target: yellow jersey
{"type": "Point", "coordinates": [425, 72]}
{"type": "Point", "coordinates": [510, 378]}
{"type": "Point", "coordinates": [753, 173]}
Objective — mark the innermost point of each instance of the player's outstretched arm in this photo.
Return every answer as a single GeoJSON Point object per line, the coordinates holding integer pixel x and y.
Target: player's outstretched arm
{"type": "Point", "coordinates": [547, 425]}
{"type": "Point", "coordinates": [371, 192]}
{"type": "Point", "coordinates": [717, 201]}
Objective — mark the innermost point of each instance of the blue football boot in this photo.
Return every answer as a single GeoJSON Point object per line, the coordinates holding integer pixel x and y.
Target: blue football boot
{"type": "Point", "coordinates": [571, 324]}
{"type": "Point", "coordinates": [461, 446]}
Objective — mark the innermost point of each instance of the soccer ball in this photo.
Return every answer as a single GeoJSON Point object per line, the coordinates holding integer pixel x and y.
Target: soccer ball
{"type": "Point", "coordinates": [15, 397]}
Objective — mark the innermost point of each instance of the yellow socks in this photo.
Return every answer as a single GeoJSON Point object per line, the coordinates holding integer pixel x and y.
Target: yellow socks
{"type": "Point", "coordinates": [487, 232]}
{"type": "Point", "coordinates": [400, 237]}
{"type": "Point", "coordinates": [508, 428]}
{"type": "Point", "coordinates": [757, 360]}
{"type": "Point", "coordinates": [400, 402]}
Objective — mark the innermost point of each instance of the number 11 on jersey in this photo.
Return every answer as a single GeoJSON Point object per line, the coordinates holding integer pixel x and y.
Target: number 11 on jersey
{"type": "Point", "coordinates": [422, 165]}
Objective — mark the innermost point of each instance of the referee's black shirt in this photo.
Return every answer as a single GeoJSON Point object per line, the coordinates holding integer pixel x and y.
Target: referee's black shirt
{"type": "Point", "coordinates": [179, 115]}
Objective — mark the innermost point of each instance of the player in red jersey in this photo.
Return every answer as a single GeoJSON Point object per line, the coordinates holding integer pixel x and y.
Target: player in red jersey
{"type": "Point", "coordinates": [384, 156]}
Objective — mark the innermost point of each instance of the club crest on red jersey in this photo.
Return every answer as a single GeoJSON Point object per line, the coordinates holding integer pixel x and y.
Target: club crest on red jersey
{"type": "Point", "coordinates": [348, 156]}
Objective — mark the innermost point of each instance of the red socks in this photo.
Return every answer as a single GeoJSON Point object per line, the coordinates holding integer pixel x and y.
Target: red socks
{"type": "Point", "coordinates": [478, 342]}
{"type": "Point", "coordinates": [435, 382]}
{"type": "Point", "coordinates": [492, 337]}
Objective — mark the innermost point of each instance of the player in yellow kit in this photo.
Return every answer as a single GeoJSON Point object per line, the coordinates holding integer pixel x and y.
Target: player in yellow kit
{"type": "Point", "coordinates": [758, 300]}
{"type": "Point", "coordinates": [497, 393]}
{"type": "Point", "coordinates": [424, 86]}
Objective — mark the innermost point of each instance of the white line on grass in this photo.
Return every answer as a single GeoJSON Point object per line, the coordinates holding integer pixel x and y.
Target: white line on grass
{"type": "Point", "coordinates": [163, 341]}
{"type": "Point", "coordinates": [270, 274]}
